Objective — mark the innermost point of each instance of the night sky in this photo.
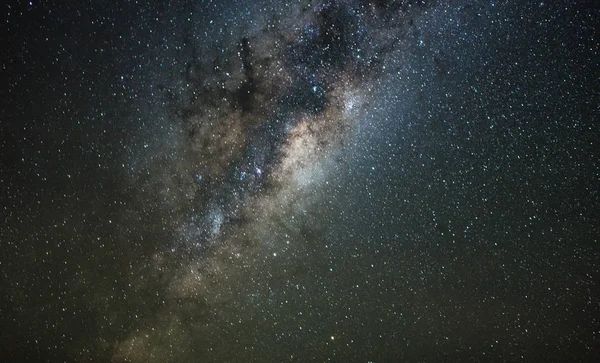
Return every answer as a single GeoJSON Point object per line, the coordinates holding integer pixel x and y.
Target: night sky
{"type": "Point", "coordinates": [268, 181]}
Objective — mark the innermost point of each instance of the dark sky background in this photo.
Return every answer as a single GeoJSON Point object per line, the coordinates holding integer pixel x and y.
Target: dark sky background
{"type": "Point", "coordinates": [253, 181]}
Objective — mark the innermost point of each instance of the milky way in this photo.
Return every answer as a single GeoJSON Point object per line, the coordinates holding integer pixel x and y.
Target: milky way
{"type": "Point", "coordinates": [266, 105]}
{"type": "Point", "coordinates": [257, 181]}
{"type": "Point", "coordinates": [264, 128]}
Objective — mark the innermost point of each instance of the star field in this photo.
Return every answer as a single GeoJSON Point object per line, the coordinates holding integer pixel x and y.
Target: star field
{"type": "Point", "coordinates": [256, 181]}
